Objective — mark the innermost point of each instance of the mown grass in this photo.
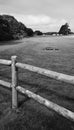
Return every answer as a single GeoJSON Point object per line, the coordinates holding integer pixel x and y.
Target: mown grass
{"type": "Point", "coordinates": [32, 115]}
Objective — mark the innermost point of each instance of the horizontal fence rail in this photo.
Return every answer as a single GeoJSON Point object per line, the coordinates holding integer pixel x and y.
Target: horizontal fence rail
{"type": "Point", "coordinates": [5, 62]}
{"type": "Point", "coordinates": [6, 84]}
{"type": "Point", "coordinates": [61, 110]}
{"type": "Point", "coordinates": [15, 88]}
{"type": "Point", "coordinates": [48, 73]}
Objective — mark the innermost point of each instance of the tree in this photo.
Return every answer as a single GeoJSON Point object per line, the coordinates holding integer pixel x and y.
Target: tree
{"type": "Point", "coordinates": [5, 33]}
{"type": "Point", "coordinates": [65, 30]}
{"type": "Point", "coordinates": [37, 32]}
{"type": "Point", "coordinates": [10, 28]}
{"type": "Point", "coordinates": [29, 32]}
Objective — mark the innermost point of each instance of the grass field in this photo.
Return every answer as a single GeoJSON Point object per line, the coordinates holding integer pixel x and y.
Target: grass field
{"type": "Point", "coordinates": [54, 53]}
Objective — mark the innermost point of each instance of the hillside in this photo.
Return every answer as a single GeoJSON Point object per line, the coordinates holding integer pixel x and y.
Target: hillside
{"type": "Point", "coordinates": [40, 52]}
{"type": "Point", "coordinates": [10, 28]}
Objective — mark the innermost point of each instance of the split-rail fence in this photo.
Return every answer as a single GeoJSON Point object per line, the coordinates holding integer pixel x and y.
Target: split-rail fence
{"type": "Point", "coordinates": [51, 74]}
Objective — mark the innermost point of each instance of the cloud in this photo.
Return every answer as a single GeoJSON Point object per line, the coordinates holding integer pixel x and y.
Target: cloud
{"type": "Point", "coordinates": [33, 19]}
{"type": "Point", "coordinates": [41, 22]}
{"type": "Point", "coordinates": [42, 14]}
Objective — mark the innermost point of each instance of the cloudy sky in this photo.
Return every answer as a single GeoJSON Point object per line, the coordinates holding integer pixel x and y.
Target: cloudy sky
{"type": "Point", "coordinates": [45, 15]}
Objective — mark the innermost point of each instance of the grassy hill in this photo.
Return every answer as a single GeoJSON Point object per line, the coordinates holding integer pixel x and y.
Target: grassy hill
{"type": "Point", "coordinates": [30, 114]}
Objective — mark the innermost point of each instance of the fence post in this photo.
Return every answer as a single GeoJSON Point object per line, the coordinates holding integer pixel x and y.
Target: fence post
{"type": "Point", "coordinates": [14, 83]}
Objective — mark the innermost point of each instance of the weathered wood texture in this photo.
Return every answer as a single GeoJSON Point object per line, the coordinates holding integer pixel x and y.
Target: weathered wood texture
{"type": "Point", "coordinates": [5, 62]}
{"type": "Point", "coordinates": [60, 110]}
{"type": "Point", "coordinates": [6, 84]}
{"type": "Point", "coordinates": [14, 83]}
{"type": "Point", "coordinates": [48, 73]}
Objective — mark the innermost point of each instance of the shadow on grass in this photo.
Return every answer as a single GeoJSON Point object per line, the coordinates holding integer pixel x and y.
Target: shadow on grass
{"type": "Point", "coordinates": [3, 43]}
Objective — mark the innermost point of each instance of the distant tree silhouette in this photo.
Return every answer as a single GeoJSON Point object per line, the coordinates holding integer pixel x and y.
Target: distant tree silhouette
{"type": "Point", "coordinates": [29, 32]}
{"type": "Point", "coordinates": [37, 32]}
{"type": "Point", "coordinates": [65, 30]}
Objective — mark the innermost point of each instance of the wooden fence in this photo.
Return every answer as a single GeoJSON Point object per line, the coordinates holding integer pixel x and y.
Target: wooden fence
{"type": "Point", "coordinates": [15, 88]}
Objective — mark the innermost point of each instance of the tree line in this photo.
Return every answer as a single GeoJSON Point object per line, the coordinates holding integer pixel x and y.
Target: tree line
{"type": "Point", "coordinates": [11, 29]}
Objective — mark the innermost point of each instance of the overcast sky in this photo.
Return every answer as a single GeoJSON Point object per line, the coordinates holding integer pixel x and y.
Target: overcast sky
{"type": "Point", "coordinates": [45, 15]}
